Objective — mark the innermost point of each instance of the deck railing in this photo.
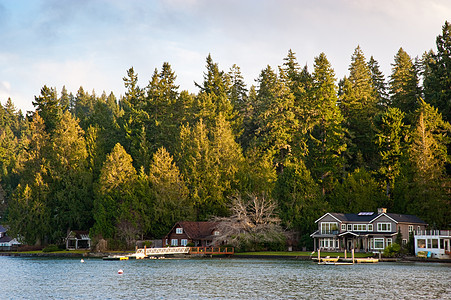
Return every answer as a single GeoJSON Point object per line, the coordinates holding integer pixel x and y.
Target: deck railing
{"type": "Point", "coordinates": [145, 252]}
{"type": "Point", "coordinates": [433, 232]}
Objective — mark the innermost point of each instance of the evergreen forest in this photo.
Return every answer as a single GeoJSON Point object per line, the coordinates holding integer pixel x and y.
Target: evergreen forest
{"type": "Point", "coordinates": [128, 168]}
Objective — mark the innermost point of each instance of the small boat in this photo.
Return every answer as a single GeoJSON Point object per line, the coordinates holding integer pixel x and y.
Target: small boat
{"type": "Point", "coordinates": [115, 257]}
{"type": "Point", "coordinates": [368, 260]}
{"type": "Point", "coordinates": [329, 259]}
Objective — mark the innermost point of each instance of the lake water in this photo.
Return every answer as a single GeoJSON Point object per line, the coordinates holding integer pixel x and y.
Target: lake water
{"type": "Point", "coordinates": [44, 278]}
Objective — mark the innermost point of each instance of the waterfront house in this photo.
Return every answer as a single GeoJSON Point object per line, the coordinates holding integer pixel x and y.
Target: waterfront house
{"type": "Point", "coordinates": [77, 239]}
{"type": "Point", "coordinates": [365, 231]}
{"type": "Point", "coordinates": [199, 234]}
{"type": "Point", "coordinates": [433, 243]}
{"type": "Point", "coordinates": [7, 243]}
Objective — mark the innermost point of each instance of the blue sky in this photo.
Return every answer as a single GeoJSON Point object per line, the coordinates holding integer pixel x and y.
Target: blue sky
{"type": "Point", "coordinates": [93, 43]}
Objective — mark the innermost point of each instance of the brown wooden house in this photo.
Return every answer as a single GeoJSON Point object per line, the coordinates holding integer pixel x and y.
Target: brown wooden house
{"type": "Point", "coordinates": [199, 234]}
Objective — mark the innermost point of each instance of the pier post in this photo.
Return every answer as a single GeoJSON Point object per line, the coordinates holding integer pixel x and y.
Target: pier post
{"type": "Point", "coordinates": [353, 255]}
{"type": "Point", "coordinates": [319, 256]}
{"type": "Point", "coordinates": [346, 254]}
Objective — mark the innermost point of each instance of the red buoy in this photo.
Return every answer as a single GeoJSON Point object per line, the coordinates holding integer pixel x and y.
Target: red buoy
{"type": "Point", "coordinates": [120, 271]}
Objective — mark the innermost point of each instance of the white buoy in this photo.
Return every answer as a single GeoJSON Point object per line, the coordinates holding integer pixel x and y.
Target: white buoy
{"type": "Point", "coordinates": [82, 260]}
{"type": "Point", "coordinates": [120, 271]}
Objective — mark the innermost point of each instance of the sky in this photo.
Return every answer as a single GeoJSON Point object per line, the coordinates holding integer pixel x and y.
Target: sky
{"type": "Point", "coordinates": [92, 43]}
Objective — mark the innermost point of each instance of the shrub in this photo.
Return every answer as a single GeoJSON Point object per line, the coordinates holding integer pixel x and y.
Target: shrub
{"type": "Point", "coordinates": [51, 248]}
{"type": "Point", "coordinates": [392, 251]}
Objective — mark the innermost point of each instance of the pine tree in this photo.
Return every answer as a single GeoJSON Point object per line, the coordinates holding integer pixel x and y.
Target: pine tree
{"type": "Point", "coordinates": [326, 137]}
{"type": "Point", "coordinates": [170, 193]}
{"type": "Point", "coordinates": [48, 108]}
{"type": "Point", "coordinates": [391, 137]}
{"type": "Point", "coordinates": [115, 187]}
{"type": "Point", "coordinates": [379, 83]}
{"type": "Point", "coordinates": [161, 97]}
{"type": "Point", "coordinates": [429, 193]}
{"type": "Point", "coordinates": [404, 89]}
{"type": "Point", "coordinates": [299, 200]}
{"type": "Point", "coordinates": [358, 103]}
{"type": "Point", "coordinates": [199, 171]}
{"type": "Point", "coordinates": [274, 118]}
{"type": "Point", "coordinates": [359, 191]}
{"type": "Point", "coordinates": [216, 87]}
{"type": "Point", "coordinates": [71, 183]}
{"type": "Point", "coordinates": [437, 76]}
{"type": "Point", "coordinates": [29, 212]}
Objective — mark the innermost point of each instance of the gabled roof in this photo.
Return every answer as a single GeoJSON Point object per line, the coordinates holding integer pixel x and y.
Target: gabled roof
{"type": "Point", "coordinates": [6, 239]}
{"type": "Point", "coordinates": [368, 218]}
{"type": "Point", "coordinates": [197, 230]}
{"type": "Point", "coordinates": [79, 235]}
{"type": "Point", "coordinates": [3, 229]}
{"type": "Point", "coordinates": [405, 218]}
{"type": "Point", "coordinates": [337, 216]}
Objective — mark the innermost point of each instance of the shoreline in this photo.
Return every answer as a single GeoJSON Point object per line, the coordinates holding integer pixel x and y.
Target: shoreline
{"type": "Point", "coordinates": [244, 256]}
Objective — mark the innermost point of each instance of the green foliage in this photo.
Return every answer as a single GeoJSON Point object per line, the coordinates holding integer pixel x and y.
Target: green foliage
{"type": "Point", "coordinates": [391, 139]}
{"type": "Point", "coordinates": [392, 251]}
{"type": "Point", "coordinates": [47, 107]}
{"type": "Point", "coordinates": [274, 118]}
{"type": "Point", "coordinates": [358, 192]}
{"type": "Point", "coordinates": [299, 198]}
{"type": "Point", "coordinates": [170, 194]}
{"type": "Point", "coordinates": [326, 137]}
{"type": "Point", "coordinates": [437, 74]}
{"type": "Point", "coordinates": [359, 105]}
{"type": "Point", "coordinates": [87, 161]}
{"type": "Point", "coordinates": [51, 248]}
{"type": "Point", "coordinates": [404, 89]}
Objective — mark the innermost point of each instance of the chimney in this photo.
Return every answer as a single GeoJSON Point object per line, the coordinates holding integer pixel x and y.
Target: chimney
{"type": "Point", "coordinates": [381, 210]}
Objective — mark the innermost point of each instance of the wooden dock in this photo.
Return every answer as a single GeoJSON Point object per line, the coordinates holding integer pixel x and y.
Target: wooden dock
{"type": "Point", "coordinates": [212, 250]}
{"type": "Point", "coordinates": [159, 252]}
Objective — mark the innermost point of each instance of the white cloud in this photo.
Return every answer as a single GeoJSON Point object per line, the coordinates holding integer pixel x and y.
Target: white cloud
{"type": "Point", "coordinates": [93, 43]}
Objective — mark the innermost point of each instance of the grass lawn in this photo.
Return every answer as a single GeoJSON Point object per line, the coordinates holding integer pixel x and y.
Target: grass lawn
{"type": "Point", "coordinates": [302, 253]}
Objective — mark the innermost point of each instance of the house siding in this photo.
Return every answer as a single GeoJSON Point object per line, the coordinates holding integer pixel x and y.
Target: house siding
{"type": "Point", "coordinates": [358, 233]}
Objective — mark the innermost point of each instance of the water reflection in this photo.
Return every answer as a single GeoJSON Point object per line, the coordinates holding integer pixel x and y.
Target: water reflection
{"type": "Point", "coordinates": [32, 278]}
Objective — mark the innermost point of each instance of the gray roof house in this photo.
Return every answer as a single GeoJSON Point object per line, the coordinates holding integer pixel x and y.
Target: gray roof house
{"type": "Point", "coordinates": [365, 231]}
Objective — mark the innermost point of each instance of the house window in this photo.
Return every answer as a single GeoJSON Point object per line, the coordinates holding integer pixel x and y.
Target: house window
{"type": "Point", "coordinates": [404, 242]}
{"type": "Point", "coordinates": [166, 242]}
{"type": "Point", "coordinates": [349, 227]}
{"type": "Point", "coordinates": [384, 227]}
{"type": "Point", "coordinates": [432, 243]}
{"type": "Point", "coordinates": [421, 243]}
{"type": "Point", "coordinates": [216, 232]}
{"type": "Point", "coordinates": [328, 243]}
{"type": "Point", "coordinates": [329, 227]}
{"type": "Point", "coordinates": [343, 227]}
{"type": "Point", "coordinates": [184, 242]}
{"type": "Point", "coordinates": [359, 227]}
{"type": "Point", "coordinates": [410, 228]}
{"type": "Point", "coordinates": [179, 230]}
{"type": "Point", "coordinates": [418, 229]}
{"type": "Point", "coordinates": [389, 241]}
{"type": "Point", "coordinates": [370, 227]}
{"type": "Point", "coordinates": [378, 243]}
{"type": "Point", "coordinates": [174, 242]}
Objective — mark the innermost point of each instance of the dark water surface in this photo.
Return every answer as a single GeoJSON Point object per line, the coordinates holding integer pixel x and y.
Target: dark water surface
{"type": "Point", "coordinates": [42, 278]}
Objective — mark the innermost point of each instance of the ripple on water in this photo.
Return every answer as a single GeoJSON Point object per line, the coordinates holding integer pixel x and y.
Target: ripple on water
{"type": "Point", "coordinates": [39, 278]}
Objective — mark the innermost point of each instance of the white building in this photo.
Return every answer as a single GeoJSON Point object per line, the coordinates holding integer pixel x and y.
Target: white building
{"type": "Point", "coordinates": [433, 243]}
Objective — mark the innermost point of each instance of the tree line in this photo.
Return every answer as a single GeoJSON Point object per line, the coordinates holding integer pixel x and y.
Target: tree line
{"type": "Point", "coordinates": [131, 167]}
